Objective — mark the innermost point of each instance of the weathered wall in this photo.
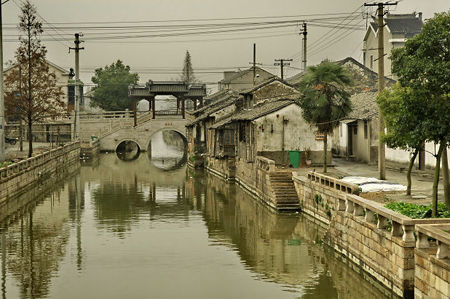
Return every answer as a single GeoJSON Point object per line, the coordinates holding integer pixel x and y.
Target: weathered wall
{"type": "Point", "coordinates": [18, 177]}
{"type": "Point", "coordinates": [432, 262]}
{"type": "Point", "coordinates": [297, 134]}
{"type": "Point", "coordinates": [354, 231]}
{"type": "Point", "coordinates": [380, 241]}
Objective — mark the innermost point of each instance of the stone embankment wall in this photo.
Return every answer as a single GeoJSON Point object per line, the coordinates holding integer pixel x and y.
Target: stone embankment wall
{"type": "Point", "coordinates": [261, 178]}
{"type": "Point", "coordinates": [19, 177]}
{"type": "Point", "coordinates": [432, 261]}
{"type": "Point", "coordinates": [379, 240]}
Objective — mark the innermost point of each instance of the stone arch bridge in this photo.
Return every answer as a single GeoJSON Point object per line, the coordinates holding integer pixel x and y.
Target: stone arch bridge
{"type": "Point", "coordinates": [112, 128]}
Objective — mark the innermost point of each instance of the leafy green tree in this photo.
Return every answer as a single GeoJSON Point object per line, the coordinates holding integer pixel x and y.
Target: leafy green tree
{"type": "Point", "coordinates": [33, 93]}
{"type": "Point", "coordinates": [111, 92]}
{"type": "Point", "coordinates": [403, 111]}
{"type": "Point", "coordinates": [188, 72]}
{"type": "Point", "coordinates": [324, 101]}
{"type": "Point", "coordinates": [423, 65]}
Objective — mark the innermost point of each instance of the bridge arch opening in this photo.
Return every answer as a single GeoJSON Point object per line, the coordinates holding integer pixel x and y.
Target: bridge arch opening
{"type": "Point", "coordinates": [167, 149]}
{"type": "Point", "coordinates": [128, 150]}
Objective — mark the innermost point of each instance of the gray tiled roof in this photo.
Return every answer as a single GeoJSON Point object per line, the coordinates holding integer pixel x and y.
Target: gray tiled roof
{"type": "Point", "coordinates": [262, 84]}
{"type": "Point", "coordinates": [364, 106]}
{"type": "Point", "coordinates": [255, 112]}
{"type": "Point", "coordinates": [407, 24]}
{"type": "Point", "coordinates": [214, 107]}
{"type": "Point", "coordinates": [242, 73]}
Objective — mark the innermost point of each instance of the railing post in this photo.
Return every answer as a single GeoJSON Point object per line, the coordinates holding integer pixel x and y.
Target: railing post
{"type": "Point", "coordinates": [422, 241]}
{"type": "Point", "coordinates": [408, 233]}
{"type": "Point", "coordinates": [442, 251]}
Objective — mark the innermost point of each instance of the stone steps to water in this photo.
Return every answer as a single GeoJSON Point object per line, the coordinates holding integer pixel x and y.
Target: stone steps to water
{"type": "Point", "coordinates": [284, 190]}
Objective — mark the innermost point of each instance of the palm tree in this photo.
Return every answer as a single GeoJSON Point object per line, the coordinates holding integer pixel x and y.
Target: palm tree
{"type": "Point", "coordinates": [324, 100]}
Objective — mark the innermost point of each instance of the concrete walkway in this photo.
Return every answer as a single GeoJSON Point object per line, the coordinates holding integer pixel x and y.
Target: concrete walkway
{"type": "Point", "coordinates": [422, 181]}
{"type": "Point", "coordinates": [12, 152]}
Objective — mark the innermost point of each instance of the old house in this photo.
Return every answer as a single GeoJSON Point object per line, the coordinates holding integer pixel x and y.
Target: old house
{"type": "Point", "coordinates": [217, 106]}
{"type": "Point", "coordinates": [357, 136]}
{"type": "Point", "coordinates": [242, 80]}
{"type": "Point", "coordinates": [398, 28]}
{"type": "Point", "coordinates": [64, 80]}
{"type": "Point", "coordinates": [267, 123]}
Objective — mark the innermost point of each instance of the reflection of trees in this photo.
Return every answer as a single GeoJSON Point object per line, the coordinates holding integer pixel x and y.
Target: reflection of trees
{"type": "Point", "coordinates": [117, 205]}
{"type": "Point", "coordinates": [267, 242]}
{"type": "Point", "coordinates": [35, 246]}
{"type": "Point", "coordinates": [285, 249]}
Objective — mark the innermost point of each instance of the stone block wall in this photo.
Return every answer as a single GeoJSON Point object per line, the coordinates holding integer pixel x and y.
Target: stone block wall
{"type": "Point", "coordinates": [380, 241]}
{"type": "Point", "coordinates": [19, 177]}
{"type": "Point", "coordinates": [432, 262]}
{"type": "Point", "coordinates": [359, 229]}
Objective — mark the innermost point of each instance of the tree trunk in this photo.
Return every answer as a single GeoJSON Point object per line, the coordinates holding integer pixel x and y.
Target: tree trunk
{"type": "Point", "coordinates": [445, 176]}
{"type": "Point", "coordinates": [437, 169]}
{"type": "Point", "coordinates": [408, 174]}
{"type": "Point", "coordinates": [30, 138]}
{"type": "Point", "coordinates": [325, 140]}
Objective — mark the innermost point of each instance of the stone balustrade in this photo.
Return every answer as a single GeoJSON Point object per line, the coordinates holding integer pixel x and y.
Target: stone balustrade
{"type": "Point", "coordinates": [333, 183]}
{"type": "Point", "coordinates": [265, 164]}
{"type": "Point", "coordinates": [432, 261]}
{"type": "Point", "coordinates": [17, 177]}
{"type": "Point", "coordinates": [18, 167]}
{"type": "Point", "coordinates": [381, 241]}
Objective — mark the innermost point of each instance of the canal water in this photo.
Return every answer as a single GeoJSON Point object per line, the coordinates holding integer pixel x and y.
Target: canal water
{"type": "Point", "coordinates": [128, 229]}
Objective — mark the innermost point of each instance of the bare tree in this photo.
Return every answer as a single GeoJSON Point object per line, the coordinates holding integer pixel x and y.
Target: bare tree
{"type": "Point", "coordinates": [32, 93]}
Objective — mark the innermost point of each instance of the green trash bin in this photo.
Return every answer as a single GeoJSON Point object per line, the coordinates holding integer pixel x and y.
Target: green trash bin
{"type": "Point", "coordinates": [294, 158]}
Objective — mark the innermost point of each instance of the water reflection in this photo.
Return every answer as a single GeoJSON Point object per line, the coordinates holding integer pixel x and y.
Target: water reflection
{"type": "Point", "coordinates": [129, 229]}
{"type": "Point", "coordinates": [35, 241]}
{"type": "Point", "coordinates": [168, 150]}
{"type": "Point", "coordinates": [285, 249]}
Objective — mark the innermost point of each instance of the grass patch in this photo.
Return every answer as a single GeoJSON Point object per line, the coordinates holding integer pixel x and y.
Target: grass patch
{"type": "Point", "coordinates": [417, 211]}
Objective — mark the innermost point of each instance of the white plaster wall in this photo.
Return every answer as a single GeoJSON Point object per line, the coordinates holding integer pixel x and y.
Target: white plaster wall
{"type": "Point", "coordinates": [299, 135]}
{"type": "Point", "coordinates": [61, 81]}
{"type": "Point", "coordinates": [402, 156]}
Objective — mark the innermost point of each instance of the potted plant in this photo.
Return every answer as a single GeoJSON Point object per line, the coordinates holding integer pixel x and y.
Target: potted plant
{"type": "Point", "coordinates": [308, 161]}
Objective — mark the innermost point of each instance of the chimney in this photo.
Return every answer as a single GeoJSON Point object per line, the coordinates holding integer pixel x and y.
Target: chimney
{"type": "Point", "coordinates": [420, 16]}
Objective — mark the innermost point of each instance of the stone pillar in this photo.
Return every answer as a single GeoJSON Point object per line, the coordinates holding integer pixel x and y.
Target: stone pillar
{"type": "Point", "coordinates": [183, 109]}
{"type": "Point", "coordinates": [153, 108]}
{"type": "Point", "coordinates": [195, 104]}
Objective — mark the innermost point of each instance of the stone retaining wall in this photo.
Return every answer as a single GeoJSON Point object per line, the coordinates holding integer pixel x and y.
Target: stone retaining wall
{"type": "Point", "coordinates": [432, 262]}
{"type": "Point", "coordinates": [377, 239]}
{"type": "Point", "coordinates": [254, 177]}
{"type": "Point", "coordinates": [19, 177]}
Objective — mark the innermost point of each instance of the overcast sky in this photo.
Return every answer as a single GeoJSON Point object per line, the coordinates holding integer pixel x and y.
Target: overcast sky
{"type": "Point", "coordinates": [210, 53]}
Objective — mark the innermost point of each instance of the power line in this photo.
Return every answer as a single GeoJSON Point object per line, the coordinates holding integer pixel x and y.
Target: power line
{"type": "Point", "coordinates": [198, 20]}
{"type": "Point", "coordinates": [55, 39]}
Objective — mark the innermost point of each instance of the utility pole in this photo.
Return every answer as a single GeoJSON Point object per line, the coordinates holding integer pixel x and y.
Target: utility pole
{"type": "Point", "coordinates": [304, 32]}
{"type": "Point", "coordinates": [2, 99]}
{"type": "Point", "coordinates": [282, 62]}
{"type": "Point", "coordinates": [77, 86]}
{"type": "Point", "coordinates": [254, 63]}
{"type": "Point", "coordinates": [381, 126]}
